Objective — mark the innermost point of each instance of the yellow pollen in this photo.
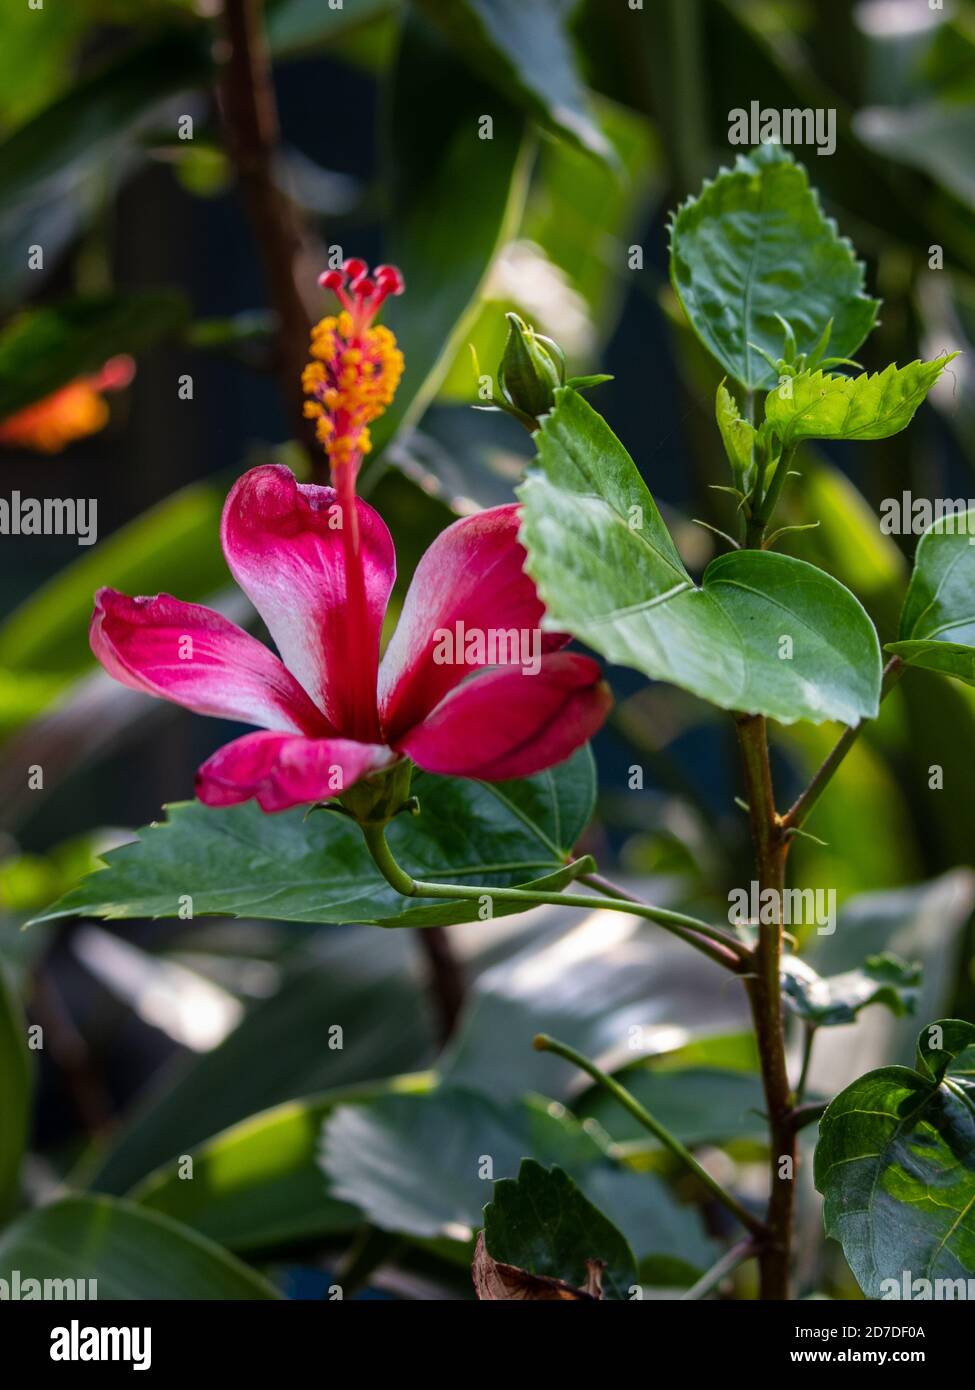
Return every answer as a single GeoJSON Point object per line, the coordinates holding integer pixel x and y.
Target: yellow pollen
{"type": "Point", "coordinates": [351, 381]}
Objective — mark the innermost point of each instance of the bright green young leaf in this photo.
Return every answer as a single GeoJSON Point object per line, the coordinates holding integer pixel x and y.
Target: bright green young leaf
{"type": "Point", "coordinates": [45, 348]}
{"type": "Point", "coordinates": [542, 1223]}
{"type": "Point", "coordinates": [527, 52]}
{"type": "Point", "coordinates": [294, 867]}
{"type": "Point", "coordinates": [753, 245]}
{"type": "Point", "coordinates": [937, 628]}
{"type": "Point", "coordinates": [737, 435]}
{"type": "Point", "coordinates": [258, 1185]}
{"type": "Point", "coordinates": [883, 979]}
{"type": "Point", "coordinates": [455, 199]}
{"type": "Point", "coordinates": [280, 1051]}
{"type": "Point", "coordinates": [15, 1092]}
{"type": "Point", "coordinates": [817, 405]}
{"type": "Point", "coordinates": [763, 633]}
{"type": "Point", "coordinates": [129, 1252]}
{"type": "Point", "coordinates": [895, 1163]}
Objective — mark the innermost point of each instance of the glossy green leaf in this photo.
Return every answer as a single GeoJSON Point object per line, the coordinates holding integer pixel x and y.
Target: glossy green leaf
{"type": "Point", "coordinates": [542, 1223]}
{"type": "Point", "coordinates": [129, 1252]}
{"type": "Point", "coordinates": [895, 1163]}
{"type": "Point", "coordinates": [527, 52]}
{"type": "Point", "coordinates": [753, 245]}
{"type": "Point", "coordinates": [882, 979]}
{"type": "Point", "coordinates": [455, 199]}
{"type": "Point", "coordinates": [15, 1092]}
{"type": "Point", "coordinates": [817, 405]}
{"type": "Point", "coordinates": [258, 1185]}
{"type": "Point", "coordinates": [349, 1008]}
{"type": "Point", "coordinates": [763, 633]}
{"type": "Point", "coordinates": [937, 628]}
{"type": "Point", "coordinates": [43, 349]}
{"type": "Point", "coordinates": [295, 867]}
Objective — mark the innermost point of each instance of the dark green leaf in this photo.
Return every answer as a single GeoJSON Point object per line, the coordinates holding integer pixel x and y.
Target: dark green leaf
{"type": "Point", "coordinates": [258, 1184]}
{"type": "Point", "coordinates": [763, 633]}
{"type": "Point", "coordinates": [895, 1163]}
{"type": "Point", "coordinates": [349, 1009]}
{"type": "Point", "coordinates": [15, 1092]}
{"type": "Point", "coordinates": [701, 1105]}
{"type": "Point", "coordinates": [609, 985]}
{"type": "Point", "coordinates": [755, 245]}
{"type": "Point", "coordinates": [883, 979]}
{"type": "Point", "coordinates": [295, 867]}
{"type": "Point", "coordinates": [131, 1253]}
{"type": "Point", "coordinates": [937, 628]}
{"type": "Point", "coordinates": [101, 115]}
{"type": "Point", "coordinates": [527, 52]}
{"type": "Point", "coordinates": [422, 1165]}
{"type": "Point", "coordinates": [454, 199]}
{"type": "Point", "coordinates": [542, 1223]}
{"type": "Point", "coordinates": [45, 348]}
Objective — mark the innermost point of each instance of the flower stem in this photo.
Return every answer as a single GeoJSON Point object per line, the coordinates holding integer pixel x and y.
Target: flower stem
{"type": "Point", "coordinates": [771, 846]}
{"type": "Point", "coordinates": [544, 1043]}
{"type": "Point", "coordinates": [719, 945]}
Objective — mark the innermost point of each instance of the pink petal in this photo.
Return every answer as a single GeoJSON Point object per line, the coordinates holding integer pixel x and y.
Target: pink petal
{"type": "Point", "coordinates": [506, 723]}
{"type": "Point", "coordinates": [285, 546]}
{"type": "Point", "coordinates": [194, 657]}
{"type": "Point", "coordinates": [472, 574]}
{"type": "Point", "coordinates": [281, 771]}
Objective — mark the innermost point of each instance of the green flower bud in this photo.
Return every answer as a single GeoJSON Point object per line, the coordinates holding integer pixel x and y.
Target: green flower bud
{"type": "Point", "coordinates": [531, 369]}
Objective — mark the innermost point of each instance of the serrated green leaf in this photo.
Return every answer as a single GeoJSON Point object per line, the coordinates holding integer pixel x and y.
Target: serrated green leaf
{"type": "Point", "coordinates": [129, 1252]}
{"type": "Point", "coordinates": [737, 435]}
{"type": "Point", "coordinates": [895, 1163]}
{"type": "Point", "coordinates": [882, 979]}
{"type": "Point", "coordinates": [754, 245]}
{"type": "Point", "coordinates": [542, 1223]}
{"type": "Point", "coordinates": [237, 861]}
{"type": "Point", "coordinates": [817, 405]}
{"type": "Point", "coordinates": [609, 573]}
{"type": "Point", "coordinates": [937, 628]}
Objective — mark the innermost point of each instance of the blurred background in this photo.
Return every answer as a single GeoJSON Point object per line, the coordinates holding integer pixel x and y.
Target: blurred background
{"type": "Point", "coordinates": [184, 205]}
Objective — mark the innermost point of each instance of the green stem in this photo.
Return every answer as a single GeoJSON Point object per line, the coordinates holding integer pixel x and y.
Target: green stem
{"type": "Point", "coordinates": [730, 1261]}
{"type": "Point", "coordinates": [799, 811]}
{"type": "Point", "coordinates": [546, 1044]}
{"type": "Point", "coordinates": [718, 945]}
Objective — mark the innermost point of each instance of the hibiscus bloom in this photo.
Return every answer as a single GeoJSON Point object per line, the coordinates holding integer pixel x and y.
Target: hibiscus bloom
{"type": "Point", "coordinates": [330, 712]}
{"type": "Point", "coordinates": [72, 412]}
